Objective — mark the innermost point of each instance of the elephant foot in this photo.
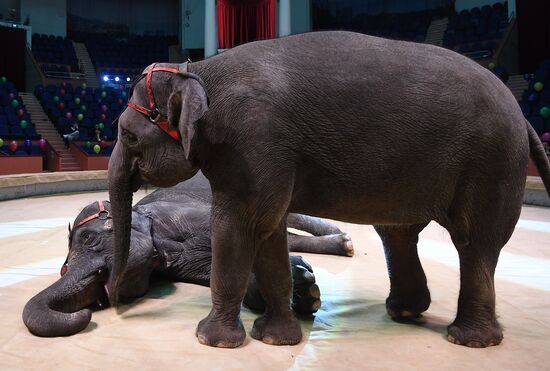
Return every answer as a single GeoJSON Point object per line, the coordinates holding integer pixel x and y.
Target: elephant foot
{"type": "Point", "coordinates": [405, 307]}
{"type": "Point", "coordinates": [220, 333]}
{"type": "Point", "coordinates": [473, 335]}
{"type": "Point", "coordinates": [306, 294]}
{"type": "Point", "coordinates": [283, 330]}
{"type": "Point", "coordinates": [346, 245]}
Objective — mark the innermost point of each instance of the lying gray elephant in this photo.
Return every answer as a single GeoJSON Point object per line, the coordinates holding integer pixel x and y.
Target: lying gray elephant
{"type": "Point", "coordinates": [170, 239]}
{"type": "Point", "coordinates": [338, 125]}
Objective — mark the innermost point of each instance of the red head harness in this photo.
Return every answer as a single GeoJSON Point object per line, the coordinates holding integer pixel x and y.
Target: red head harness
{"type": "Point", "coordinates": [153, 112]}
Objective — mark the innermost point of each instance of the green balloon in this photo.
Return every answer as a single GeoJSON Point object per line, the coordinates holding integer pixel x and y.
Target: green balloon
{"type": "Point", "coordinates": [83, 108]}
{"type": "Point", "coordinates": [538, 86]}
{"type": "Point", "coordinates": [14, 103]}
{"type": "Point", "coordinates": [84, 86]}
{"type": "Point", "coordinates": [124, 94]}
{"type": "Point", "coordinates": [2, 140]}
{"type": "Point", "coordinates": [492, 66]}
{"type": "Point", "coordinates": [55, 98]}
{"type": "Point", "coordinates": [103, 94]}
{"type": "Point", "coordinates": [97, 149]}
{"type": "Point", "coordinates": [101, 126]}
{"type": "Point", "coordinates": [3, 79]}
{"type": "Point", "coordinates": [80, 117]}
{"type": "Point", "coordinates": [77, 100]}
{"type": "Point", "coordinates": [88, 144]}
{"type": "Point", "coordinates": [23, 124]}
{"type": "Point", "coordinates": [544, 112]}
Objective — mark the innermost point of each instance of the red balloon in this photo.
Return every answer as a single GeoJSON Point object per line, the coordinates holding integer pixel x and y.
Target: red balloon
{"type": "Point", "coordinates": [102, 144]}
{"type": "Point", "coordinates": [13, 146]}
{"type": "Point", "coordinates": [42, 144]}
{"type": "Point", "coordinates": [62, 92]}
{"type": "Point", "coordinates": [61, 105]}
{"type": "Point", "coordinates": [20, 112]}
{"type": "Point", "coordinates": [103, 117]}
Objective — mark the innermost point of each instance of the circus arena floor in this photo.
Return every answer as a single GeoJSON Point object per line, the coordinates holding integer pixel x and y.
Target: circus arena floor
{"type": "Point", "coordinates": [351, 331]}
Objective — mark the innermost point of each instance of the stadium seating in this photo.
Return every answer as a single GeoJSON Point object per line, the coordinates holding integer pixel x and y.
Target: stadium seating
{"type": "Point", "coordinates": [65, 105]}
{"type": "Point", "coordinates": [15, 122]}
{"type": "Point", "coordinates": [536, 98]}
{"type": "Point", "coordinates": [56, 55]}
{"type": "Point", "coordinates": [476, 32]}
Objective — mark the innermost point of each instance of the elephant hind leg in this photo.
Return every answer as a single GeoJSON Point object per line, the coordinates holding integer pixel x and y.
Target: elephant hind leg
{"type": "Point", "coordinates": [334, 244]}
{"type": "Point", "coordinates": [409, 295]}
{"type": "Point", "coordinates": [481, 224]}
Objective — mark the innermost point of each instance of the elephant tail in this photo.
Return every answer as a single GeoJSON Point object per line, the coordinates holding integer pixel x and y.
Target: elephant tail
{"type": "Point", "coordinates": [539, 156]}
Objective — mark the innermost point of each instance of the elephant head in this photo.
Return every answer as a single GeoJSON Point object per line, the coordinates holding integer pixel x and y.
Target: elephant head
{"type": "Point", "coordinates": [64, 307]}
{"type": "Point", "coordinates": [155, 137]}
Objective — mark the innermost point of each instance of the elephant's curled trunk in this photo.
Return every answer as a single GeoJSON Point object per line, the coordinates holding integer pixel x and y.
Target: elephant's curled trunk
{"type": "Point", "coordinates": [60, 309]}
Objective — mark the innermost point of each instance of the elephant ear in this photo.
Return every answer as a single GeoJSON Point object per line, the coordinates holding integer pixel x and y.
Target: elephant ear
{"type": "Point", "coordinates": [186, 105]}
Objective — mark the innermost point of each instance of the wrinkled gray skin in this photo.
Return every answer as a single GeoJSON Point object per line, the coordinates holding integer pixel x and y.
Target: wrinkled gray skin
{"type": "Point", "coordinates": [345, 126]}
{"type": "Point", "coordinates": [170, 239]}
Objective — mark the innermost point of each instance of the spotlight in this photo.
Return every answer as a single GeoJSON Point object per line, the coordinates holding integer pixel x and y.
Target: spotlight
{"type": "Point", "coordinates": [128, 79]}
{"type": "Point", "coordinates": [117, 79]}
{"type": "Point", "coordinates": [105, 78]}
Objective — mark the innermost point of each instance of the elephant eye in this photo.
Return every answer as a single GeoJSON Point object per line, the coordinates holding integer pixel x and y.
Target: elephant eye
{"type": "Point", "coordinates": [88, 238]}
{"type": "Point", "coordinates": [129, 137]}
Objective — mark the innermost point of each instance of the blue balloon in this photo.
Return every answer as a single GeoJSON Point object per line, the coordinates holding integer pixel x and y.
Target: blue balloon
{"type": "Point", "coordinates": [533, 97]}
{"type": "Point", "coordinates": [527, 76]}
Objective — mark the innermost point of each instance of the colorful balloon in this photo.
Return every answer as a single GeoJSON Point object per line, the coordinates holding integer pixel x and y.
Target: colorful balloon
{"type": "Point", "coordinates": [80, 117]}
{"type": "Point", "coordinates": [3, 79]}
{"type": "Point", "coordinates": [103, 94]}
{"type": "Point", "coordinates": [1, 142]}
{"type": "Point", "coordinates": [104, 108]}
{"type": "Point", "coordinates": [14, 103]}
{"type": "Point", "coordinates": [97, 149]}
{"type": "Point", "coordinates": [544, 112]}
{"type": "Point", "coordinates": [492, 66]}
{"type": "Point", "coordinates": [61, 105]}
{"type": "Point", "coordinates": [69, 115]}
{"type": "Point", "coordinates": [88, 144]}
{"type": "Point", "coordinates": [538, 86]}
{"type": "Point", "coordinates": [102, 144]}
{"type": "Point", "coordinates": [527, 76]}
{"type": "Point", "coordinates": [13, 146]}
{"type": "Point", "coordinates": [55, 98]}
{"type": "Point", "coordinates": [23, 124]}
{"type": "Point", "coordinates": [83, 108]}
{"type": "Point", "coordinates": [28, 145]}
{"type": "Point", "coordinates": [77, 100]}
{"type": "Point", "coordinates": [83, 92]}
{"type": "Point", "coordinates": [11, 95]}
{"type": "Point", "coordinates": [103, 117]}
{"type": "Point", "coordinates": [62, 92]}
{"type": "Point", "coordinates": [124, 94]}
{"type": "Point", "coordinates": [42, 144]}
{"type": "Point", "coordinates": [101, 126]}
{"type": "Point", "coordinates": [533, 97]}
{"type": "Point", "coordinates": [545, 137]}
{"type": "Point", "coordinates": [84, 85]}
{"type": "Point", "coordinates": [20, 112]}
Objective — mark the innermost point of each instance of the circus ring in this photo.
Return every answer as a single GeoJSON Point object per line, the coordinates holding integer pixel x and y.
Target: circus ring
{"type": "Point", "coordinates": [350, 331]}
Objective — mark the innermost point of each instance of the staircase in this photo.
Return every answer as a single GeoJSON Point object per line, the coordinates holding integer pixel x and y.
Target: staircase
{"type": "Point", "coordinates": [86, 64]}
{"type": "Point", "coordinates": [45, 128]}
{"type": "Point", "coordinates": [436, 31]}
{"type": "Point", "coordinates": [517, 84]}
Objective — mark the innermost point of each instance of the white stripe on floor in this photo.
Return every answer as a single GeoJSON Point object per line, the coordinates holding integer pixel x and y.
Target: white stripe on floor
{"type": "Point", "coordinates": [534, 225]}
{"type": "Point", "coordinates": [11, 276]}
{"type": "Point", "coordinates": [11, 229]}
{"type": "Point", "coordinates": [525, 270]}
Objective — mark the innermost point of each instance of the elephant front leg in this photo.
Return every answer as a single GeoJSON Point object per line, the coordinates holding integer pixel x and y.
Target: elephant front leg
{"type": "Point", "coordinates": [409, 295]}
{"type": "Point", "coordinates": [334, 244]}
{"type": "Point", "coordinates": [278, 325]}
{"type": "Point", "coordinates": [232, 257]}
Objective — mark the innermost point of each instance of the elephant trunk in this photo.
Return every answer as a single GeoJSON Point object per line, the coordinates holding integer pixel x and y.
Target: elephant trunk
{"type": "Point", "coordinates": [123, 181]}
{"type": "Point", "coordinates": [60, 309]}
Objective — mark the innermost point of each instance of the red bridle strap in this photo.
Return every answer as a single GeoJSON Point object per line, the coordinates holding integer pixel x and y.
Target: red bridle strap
{"type": "Point", "coordinates": [101, 214]}
{"type": "Point", "coordinates": [153, 112]}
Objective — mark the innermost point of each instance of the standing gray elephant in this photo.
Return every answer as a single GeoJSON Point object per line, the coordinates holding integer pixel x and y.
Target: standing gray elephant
{"type": "Point", "coordinates": [338, 125]}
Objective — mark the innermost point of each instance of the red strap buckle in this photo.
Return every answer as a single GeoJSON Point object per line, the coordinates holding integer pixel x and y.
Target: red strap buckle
{"type": "Point", "coordinates": [102, 214]}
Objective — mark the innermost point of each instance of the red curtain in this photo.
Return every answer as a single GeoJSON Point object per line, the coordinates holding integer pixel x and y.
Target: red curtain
{"type": "Point", "coordinates": [241, 21]}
